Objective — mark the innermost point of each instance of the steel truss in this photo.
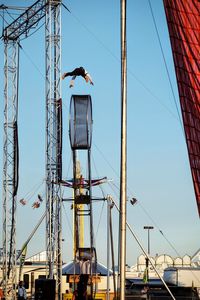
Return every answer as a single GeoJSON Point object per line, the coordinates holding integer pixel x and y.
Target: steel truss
{"type": "Point", "coordinates": [10, 166]}
{"type": "Point", "coordinates": [53, 140]}
{"type": "Point", "coordinates": [26, 21]}
{"type": "Point", "coordinates": [22, 25]}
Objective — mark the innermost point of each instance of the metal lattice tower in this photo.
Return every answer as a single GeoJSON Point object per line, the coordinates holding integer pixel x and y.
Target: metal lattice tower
{"type": "Point", "coordinates": [11, 34]}
{"type": "Point", "coordinates": [53, 139]}
{"type": "Point", "coordinates": [10, 165]}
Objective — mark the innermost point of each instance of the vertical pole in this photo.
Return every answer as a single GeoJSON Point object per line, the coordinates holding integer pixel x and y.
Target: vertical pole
{"type": "Point", "coordinates": [123, 170]}
{"type": "Point", "coordinates": [148, 247]}
{"type": "Point", "coordinates": [112, 250]}
{"type": "Point", "coordinates": [75, 207]}
{"type": "Point", "coordinates": [147, 259]}
{"type": "Point", "coordinates": [90, 193]}
{"type": "Point", "coordinates": [108, 248]}
{"type": "Point", "coordinates": [80, 207]}
{"type": "Point", "coordinates": [91, 221]}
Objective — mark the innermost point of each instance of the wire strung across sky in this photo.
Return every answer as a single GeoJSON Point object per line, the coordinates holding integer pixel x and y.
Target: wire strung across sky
{"type": "Point", "coordinates": [112, 184]}
{"type": "Point", "coordinates": [130, 71]}
{"type": "Point", "coordinates": [165, 63]}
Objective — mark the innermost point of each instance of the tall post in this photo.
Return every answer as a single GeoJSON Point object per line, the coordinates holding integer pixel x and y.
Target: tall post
{"type": "Point", "coordinates": [148, 247]}
{"type": "Point", "coordinates": [80, 222]}
{"type": "Point", "coordinates": [108, 246]}
{"type": "Point", "coordinates": [122, 252]}
{"type": "Point", "coordinates": [53, 140]}
{"type": "Point", "coordinates": [10, 165]}
{"type": "Point", "coordinates": [75, 216]}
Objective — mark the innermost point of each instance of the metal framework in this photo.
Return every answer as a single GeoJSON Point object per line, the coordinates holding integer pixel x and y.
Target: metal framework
{"type": "Point", "coordinates": [11, 34]}
{"type": "Point", "coordinates": [80, 131]}
{"type": "Point", "coordinates": [10, 165]}
{"type": "Point", "coordinates": [26, 21]}
{"type": "Point", "coordinates": [53, 139]}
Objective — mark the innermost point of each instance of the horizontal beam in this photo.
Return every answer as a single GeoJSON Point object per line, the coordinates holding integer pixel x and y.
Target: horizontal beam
{"type": "Point", "coordinates": [2, 6]}
{"type": "Point", "coordinates": [92, 199]}
{"type": "Point", "coordinates": [25, 21]}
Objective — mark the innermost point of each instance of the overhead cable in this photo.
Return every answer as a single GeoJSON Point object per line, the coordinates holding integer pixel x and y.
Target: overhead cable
{"type": "Point", "coordinates": [165, 63]}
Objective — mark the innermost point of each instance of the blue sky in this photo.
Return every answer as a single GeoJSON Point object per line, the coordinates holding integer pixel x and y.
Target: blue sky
{"type": "Point", "coordinates": [158, 173]}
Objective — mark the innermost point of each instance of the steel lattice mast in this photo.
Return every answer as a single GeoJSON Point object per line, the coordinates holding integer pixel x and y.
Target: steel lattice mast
{"type": "Point", "coordinates": [10, 165]}
{"type": "Point", "coordinates": [53, 139]}
{"type": "Point", "coordinates": [22, 25]}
